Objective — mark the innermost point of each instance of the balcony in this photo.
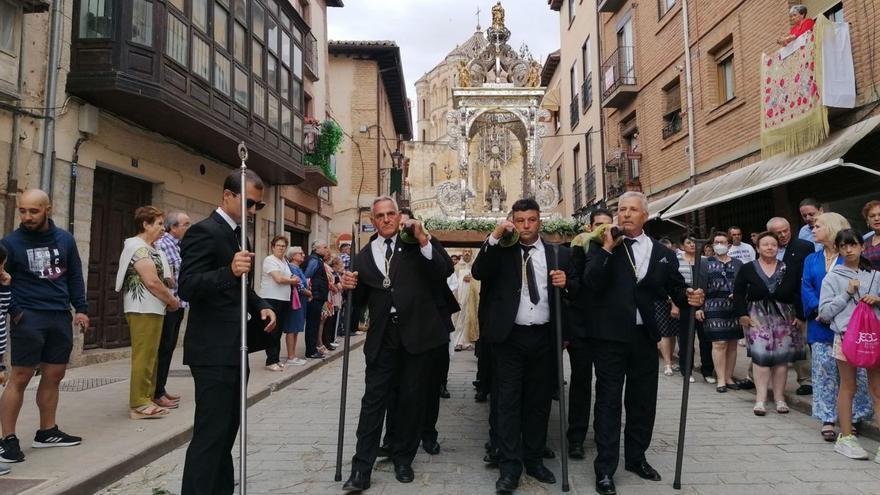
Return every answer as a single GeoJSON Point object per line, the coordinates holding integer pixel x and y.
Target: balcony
{"type": "Point", "coordinates": [590, 184]}
{"type": "Point", "coordinates": [587, 93]}
{"type": "Point", "coordinates": [35, 6]}
{"type": "Point", "coordinates": [573, 111]}
{"type": "Point", "coordinates": [622, 173]}
{"type": "Point", "coordinates": [577, 194]}
{"type": "Point", "coordinates": [159, 71]}
{"type": "Point", "coordinates": [619, 78]}
{"type": "Point", "coordinates": [610, 6]}
{"type": "Point", "coordinates": [310, 56]}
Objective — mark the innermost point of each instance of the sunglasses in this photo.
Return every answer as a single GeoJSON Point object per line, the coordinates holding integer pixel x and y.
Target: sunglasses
{"type": "Point", "coordinates": [250, 203]}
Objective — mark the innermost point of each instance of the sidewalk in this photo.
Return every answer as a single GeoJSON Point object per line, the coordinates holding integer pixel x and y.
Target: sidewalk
{"type": "Point", "coordinates": [94, 405]}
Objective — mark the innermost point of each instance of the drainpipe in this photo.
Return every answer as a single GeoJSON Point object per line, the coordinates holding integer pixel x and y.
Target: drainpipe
{"type": "Point", "coordinates": [14, 145]}
{"type": "Point", "coordinates": [74, 165]}
{"type": "Point", "coordinates": [601, 110]}
{"type": "Point", "coordinates": [692, 160]}
{"type": "Point", "coordinates": [51, 93]}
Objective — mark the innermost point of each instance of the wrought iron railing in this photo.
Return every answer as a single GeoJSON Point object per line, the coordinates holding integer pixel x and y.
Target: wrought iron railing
{"type": "Point", "coordinates": [672, 125]}
{"type": "Point", "coordinates": [577, 194]}
{"type": "Point", "coordinates": [310, 54]}
{"type": "Point", "coordinates": [618, 70]}
{"type": "Point", "coordinates": [590, 184]}
{"type": "Point", "coordinates": [573, 110]}
{"type": "Point", "coordinates": [587, 92]}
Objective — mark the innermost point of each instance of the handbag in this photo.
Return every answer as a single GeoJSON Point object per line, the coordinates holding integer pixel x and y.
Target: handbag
{"type": "Point", "coordinates": [295, 302]}
{"type": "Point", "coordinates": [861, 342]}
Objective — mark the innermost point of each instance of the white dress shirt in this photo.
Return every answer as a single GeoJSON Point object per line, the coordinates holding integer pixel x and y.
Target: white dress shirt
{"type": "Point", "coordinates": [377, 248]}
{"type": "Point", "coordinates": [641, 249]}
{"type": "Point", "coordinates": [532, 314]}
{"type": "Point", "coordinates": [229, 220]}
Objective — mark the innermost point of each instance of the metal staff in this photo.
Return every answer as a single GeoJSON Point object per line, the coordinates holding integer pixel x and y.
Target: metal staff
{"type": "Point", "coordinates": [242, 440]}
{"type": "Point", "coordinates": [560, 375]}
{"type": "Point", "coordinates": [346, 346]}
{"type": "Point", "coordinates": [688, 365]}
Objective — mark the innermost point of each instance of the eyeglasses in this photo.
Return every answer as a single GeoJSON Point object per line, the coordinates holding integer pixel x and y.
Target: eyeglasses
{"type": "Point", "coordinates": [250, 203]}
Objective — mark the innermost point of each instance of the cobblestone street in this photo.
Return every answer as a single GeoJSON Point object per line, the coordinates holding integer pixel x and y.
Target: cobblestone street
{"type": "Point", "coordinates": [292, 437]}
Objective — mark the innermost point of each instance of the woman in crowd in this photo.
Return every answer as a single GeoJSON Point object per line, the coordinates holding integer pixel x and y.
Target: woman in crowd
{"type": "Point", "coordinates": [144, 278]}
{"type": "Point", "coordinates": [826, 380]}
{"type": "Point", "coordinates": [763, 297]}
{"type": "Point", "coordinates": [871, 212]}
{"type": "Point", "coordinates": [845, 286]}
{"type": "Point", "coordinates": [686, 259]}
{"type": "Point", "coordinates": [720, 324]}
{"type": "Point", "coordinates": [299, 299]}
{"type": "Point", "coordinates": [667, 326]}
{"type": "Point", "coordinates": [275, 283]}
{"type": "Point", "coordinates": [326, 337]}
{"type": "Point", "coordinates": [334, 301]}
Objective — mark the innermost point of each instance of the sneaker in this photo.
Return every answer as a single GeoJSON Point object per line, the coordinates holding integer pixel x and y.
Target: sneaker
{"type": "Point", "coordinates": [53, 437]}
{"type": "Point", "coordinates": [4, 469]}
{"type": "Point", "coordinates": [10, 451]}
{"type": "Point", "coordinates": [710, 379]}
{"type": "Point", "coordinates": [296, 362]}
{"type": "Point", "coordinates": [667, 371]}
{"type": "Point", "coordinates": [849, 446]}
{"type": "Point", "coordinates": [691, 379]}
{"type": "Point", "coordinates": [333, 346]}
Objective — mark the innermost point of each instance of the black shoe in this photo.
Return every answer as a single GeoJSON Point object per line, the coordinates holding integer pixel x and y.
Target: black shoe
{"type": "Point", "coordinates": [384, 451]}
{"type": "Point", "coordinates": [541, 473]}
{"type": "Point", "coordinates": [576, 450]}
{"type": "Point", "coordinates": [733, 386]}
{"type": "Point", "coordinates": [746, 384]}
{"type": "Point", "coordinates": [53, 437]}
{"type": "Point", "coordinates": [605, 485]}
{"type": "Point", "coordinates": [481, 396]}
{"type": "Point", "coordinates": [444, 392]}
{"type": "Point", "coordinates": [721, 389]}
{"type": "Point", "coordinates": [404, 473]}
{"type": "Point", "coordinates": [507, 483]}
{"type": "Point", "coordinates": [644, 470]}
{"type": "Point", "coordinates": [316, 355]}
{"type": "Point", "coordinates": [432, 447]}
{"type": "Point", "coordinates": [804, 390]}
{"type": "Point", "coordinates": [491, 458]}
{"type": "Point", "coordinates": [476, 384]}
{"type": "Point", "coordinates": [357, 482]}
{"type": "Point", "coordinates": [10, 451]}
{"type": "Point", "coordinates": [548, 453]}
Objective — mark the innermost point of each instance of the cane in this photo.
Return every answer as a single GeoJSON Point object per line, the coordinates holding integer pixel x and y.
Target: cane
{"type": "Point", "coordinates": [688, 366]}
{"type": "Point", "coordinates": [242, 439]}
{"type": "Point", "coordinates": [346, 346]}
{"type": "Point", "coordinates": [560, 375]}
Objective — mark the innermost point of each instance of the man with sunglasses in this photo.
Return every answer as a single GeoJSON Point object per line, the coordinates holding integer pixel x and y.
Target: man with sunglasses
{"type": "Point", "coordinates": [210, 280]}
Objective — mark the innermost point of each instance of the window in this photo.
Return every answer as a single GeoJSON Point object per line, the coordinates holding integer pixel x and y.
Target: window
{"type": "Point", "coordinates": [666, 6]}
{"type": "Point", "coordinates": [259, 101]}
{"type": "Point", "coordinates": [296, 98]}
{"type": "Point", "coordinates": [284, 86]}
{"type": "Point", "coordinates": [142, 22]}
{"type": "Point", "coordinates": [285, 20]}
{"type": "Point", "coordinates": [201, 58]}
{"type": "Point", "coordinates": [298, 130]}
{"type": "Point", "coordinates": [257, 59]}
{"type": "Point", "coordinates": [725, 76]}
{"type": "Point", "coordinates": [175, 39]}
{"type": "Point", "coordinates": [572, 80]}
{"type": "Point", "coordinates": [285, 48]}
{"type": "Point", "coordinates": [431, 168]}
{"type": "Point", "coordinates": [240, 43]}
{"type": "Point", "coordinates": [200, 14]}
{"type": "Point", "coordinates": [635, 162]}
{"type": "Point", "coordinates": [297, 61]}
{"type": "Point", "coordinates": [589, 148]}
{"type": "Point", "coordinates": [286, 127]}
{"type": "Point", "coordinates": [221, 26]}
{"type": "Point", "coordinates": [96, 19]}
{"type": "Point", "coordinates": [835, 13]}
{"type": "Point", "coordinates": [571, 10]}
{"type": "Point", "coordinates": [272, 72]}
{"type": "Point", "coordinates": [672, 109]}
{"type": "Point", "coordinates": [222, 73]}
{"type": "Point", "coordinates": [558, 180]}
{"type": "Point", "coordinates": [240, 11]}
{"type": "Point", "coordinates": [576, 158]}
{"type": "Point", "coordinates": [241, 87]}
{"type": "Point", "coordinates": [272, 38]}
{"type": "Point", "coordinates": [273, 111]}
{"type": "Point", "coordinates": [585, 58]}
{"type": "Point", "coordinates": [9, 15]}
{"type": "Point", "coordinates": [177, 3]}
{"type": "Point", "coordinates": [258, 19]}
{"type": "Point", "coordinates": [273, 6]}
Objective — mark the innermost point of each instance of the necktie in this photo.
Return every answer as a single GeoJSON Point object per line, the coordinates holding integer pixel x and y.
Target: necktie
{"type": "Point", "coordinates": [237, 232]}
{"type": "Point", "coordinates": [530, 275]}
{"type": "Point", "coordinates": [388, 251]}
{"type": "Point", "coordinates": [628, 243]}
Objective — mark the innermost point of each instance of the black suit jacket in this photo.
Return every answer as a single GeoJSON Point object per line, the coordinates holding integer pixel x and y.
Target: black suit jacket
{"type": "Point", "coordinates": [413, 293]}
{"type": "Point", "coordinates": [795, 254]}
{"type": "Point", "coordinates": [499, 270]}
{"type": "Point", "coordinates": [615, 295]}
{"type": "Point", "coordinates": [213, 335]}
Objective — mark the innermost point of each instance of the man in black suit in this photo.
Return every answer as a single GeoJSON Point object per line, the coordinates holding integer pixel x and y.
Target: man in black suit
{"type": "Point", "coordinates": [210, 279]}
{"type": "Point", "coordinates": [793, 252]}
{"type": "Point", "coordinates": [580, 354]}
{"type": "Point", "coordinates": [517, 291]}
{"type": "Point", "coordinates": [396, 281]}
{"type": "Point", "coordinates": [627, 277]}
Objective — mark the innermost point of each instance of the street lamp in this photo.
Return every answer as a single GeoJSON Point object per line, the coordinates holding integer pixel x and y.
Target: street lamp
{"type": "Point", "coordinates": [396, 158]}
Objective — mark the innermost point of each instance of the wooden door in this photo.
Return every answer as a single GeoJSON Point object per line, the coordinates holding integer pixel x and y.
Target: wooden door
{"type": "Point", "coordinates": [114, 200]}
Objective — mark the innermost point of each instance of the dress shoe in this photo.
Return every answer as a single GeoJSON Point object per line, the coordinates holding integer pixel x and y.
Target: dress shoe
{"type": "Point", "coordinates": [357, 482]}
{"type": "Point", "coordinates": [746, 384]}
{"type": "Point", "coordinates": [548, 453]}
{"type": "Point", "coordinates": [444, 392]}
{"type": "Point", "coordinates": [605, 485]}
{"type": "Point", "coordinates": [541, 473]}
{"type": "Point", "coordinates": [507, 483]}
{"type": "Point", "coordinates": [384, 451]}
{"type": "Point", "coordinates": [404, 473]}
{"type": "Point", "coordinates": [576, 450]}
{"type": "Point", "coordinates": [644, 470]}
{"type": "Point", "coordinates": [491, 458]}
{"type": "Point", "coordinates": [432, 447]}
{"type": "Point", "coordinates": [481, 396]}
{"type": "Point", "coordinates": [804, 390]}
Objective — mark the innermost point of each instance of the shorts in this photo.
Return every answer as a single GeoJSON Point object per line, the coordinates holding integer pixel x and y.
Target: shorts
{"type": "Point", "coordinates": [41, 336]}
{"type": "Point", "coordinates": [837, 349]}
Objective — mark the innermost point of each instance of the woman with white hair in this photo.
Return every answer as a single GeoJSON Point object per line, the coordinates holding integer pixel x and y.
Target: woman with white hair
{"type": "Point", "coordinates": [800, 24]}
{"type": "Point", "coordinates": [299, 297]}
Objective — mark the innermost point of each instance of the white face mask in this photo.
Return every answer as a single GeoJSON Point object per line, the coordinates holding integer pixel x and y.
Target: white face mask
{"type": "Point", "coordinates": [720, 249]}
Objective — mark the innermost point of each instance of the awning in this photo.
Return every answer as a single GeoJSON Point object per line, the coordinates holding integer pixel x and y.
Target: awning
{"type": "Point", "coordinates": [551, 100]}
{"type": "Point", "coordinates": [656, 208]}
{"type": "Point", "coordinates": [776, 170]}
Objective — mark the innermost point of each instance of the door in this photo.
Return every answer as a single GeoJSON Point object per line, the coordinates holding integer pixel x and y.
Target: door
{"type": "Point", "coordinates": [627, 53]}
{"type": "Point", "coordinates": [114, 199]}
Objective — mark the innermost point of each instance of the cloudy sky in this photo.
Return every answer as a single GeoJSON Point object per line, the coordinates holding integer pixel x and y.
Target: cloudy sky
{"type": "Point", "coordinates": [426, 30]}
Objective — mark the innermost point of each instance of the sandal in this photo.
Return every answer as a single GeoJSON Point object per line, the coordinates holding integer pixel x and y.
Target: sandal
{"type": "Point", "coordinates": [828, 433]}
{"type": "Point", "coordinates": [722, 389]}
{"type": "Point", "coordinates": [759, 409]}
{"type": "Point", "coordinates": [165, 403]}
{"type": "Point", "coordinates": [781, 407]}
{"type": "Point", "coordinates": [149, 411]}
{"type": "Point", "coordinates": [667, 370]}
